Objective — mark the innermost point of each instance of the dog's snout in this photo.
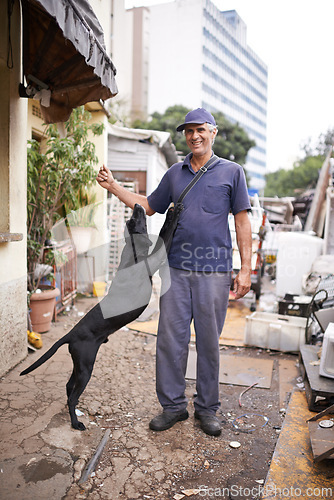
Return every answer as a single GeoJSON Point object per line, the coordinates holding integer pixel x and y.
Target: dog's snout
{"type": "Point", "coordinates": [138, 211]}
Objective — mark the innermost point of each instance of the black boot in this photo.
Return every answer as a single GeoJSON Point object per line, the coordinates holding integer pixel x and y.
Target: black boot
{"type": "Point", "coordinates": [167, 419]}
{"type": "Point", "coordinates": [209, 424]}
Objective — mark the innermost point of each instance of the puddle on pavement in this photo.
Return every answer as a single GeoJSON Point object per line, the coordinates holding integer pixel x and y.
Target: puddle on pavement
{"type": "Point", "coordinates": [42, 470]}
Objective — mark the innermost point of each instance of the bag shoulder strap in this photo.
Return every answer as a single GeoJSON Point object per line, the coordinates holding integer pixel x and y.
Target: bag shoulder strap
{"type": "Point", "coordinates": [197, 177]}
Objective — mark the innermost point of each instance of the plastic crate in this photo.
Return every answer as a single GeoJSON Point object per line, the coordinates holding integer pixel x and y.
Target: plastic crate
{"type": "Point", "coordinates": [275, 331]}
{"type": "Point", "coordinates": [294, 308]}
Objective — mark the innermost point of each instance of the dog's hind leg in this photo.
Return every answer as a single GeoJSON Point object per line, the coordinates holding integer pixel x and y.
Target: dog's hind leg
{"type": "Point", "coordinates": [77, 383]}
{"type": "Point", "coordinates": [70, 384]}
{"type": "Point", "coordinates": [73, 399]}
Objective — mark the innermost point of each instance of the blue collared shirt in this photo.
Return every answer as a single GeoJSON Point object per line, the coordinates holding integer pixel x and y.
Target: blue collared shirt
{"type": "Point", "coordinates": [202, 240]}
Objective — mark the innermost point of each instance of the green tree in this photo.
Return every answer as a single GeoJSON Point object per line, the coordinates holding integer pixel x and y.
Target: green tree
{"type": "Point", "coordinates": [232, 142]}
{"type": "Point", "coordinates": [167, 122]}
{"type": "Point", "coordinates": [321, 147]}
{"type": "Point", "coordinates": [325, 141]}
{"type": "Point", "coordinates": [302, 176]}
{"type": "Point", "coordinates": [305, 172]}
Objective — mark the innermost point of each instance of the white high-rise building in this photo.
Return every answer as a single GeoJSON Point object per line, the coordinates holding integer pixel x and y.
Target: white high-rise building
{"type": "Point", "coordinates": [199, 57]}
{"type": "Point", "coordinates": [130, 50]}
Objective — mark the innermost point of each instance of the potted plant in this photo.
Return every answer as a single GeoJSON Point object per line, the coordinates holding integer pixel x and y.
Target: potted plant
{"type": "Point", "coordinates": [81, 220]}
{"type": "Point", "coordinates": [58, 168]}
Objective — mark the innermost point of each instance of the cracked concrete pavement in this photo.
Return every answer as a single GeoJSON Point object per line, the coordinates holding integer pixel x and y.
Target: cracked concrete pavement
{"type": "Point", "coordinates": [43, 457]}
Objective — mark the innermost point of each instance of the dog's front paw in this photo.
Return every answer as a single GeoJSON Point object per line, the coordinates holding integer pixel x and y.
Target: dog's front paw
{"type": "Point", "coordinates": [79, 426]}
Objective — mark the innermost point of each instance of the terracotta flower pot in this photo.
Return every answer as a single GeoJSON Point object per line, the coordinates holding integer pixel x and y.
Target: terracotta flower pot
{"type": "Point", "coordinates": [42, 306]}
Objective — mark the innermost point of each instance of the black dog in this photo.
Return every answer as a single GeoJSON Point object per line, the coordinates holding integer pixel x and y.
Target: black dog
{"type": "Point", "coordinates": [127, 298]}
{"type": "Point", "coordinates": [117, 309]}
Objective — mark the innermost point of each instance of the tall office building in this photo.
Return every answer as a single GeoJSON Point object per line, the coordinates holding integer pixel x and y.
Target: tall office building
{"type": "Point", "coordinates": [199, 57]}
{"type": "Point", "coordinates": [130, 51]}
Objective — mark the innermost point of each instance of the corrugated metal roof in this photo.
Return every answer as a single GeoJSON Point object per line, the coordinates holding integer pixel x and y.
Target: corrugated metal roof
{"type": "Point", "coordinates": [160, 138]}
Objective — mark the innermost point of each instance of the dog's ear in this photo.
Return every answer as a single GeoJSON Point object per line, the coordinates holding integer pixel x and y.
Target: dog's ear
{"type": "Point", "coordinates": [136, 226]}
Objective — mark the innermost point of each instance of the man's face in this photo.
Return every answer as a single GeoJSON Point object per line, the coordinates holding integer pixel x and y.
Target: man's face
{"type": "Point", "coordinates": [199, 138]}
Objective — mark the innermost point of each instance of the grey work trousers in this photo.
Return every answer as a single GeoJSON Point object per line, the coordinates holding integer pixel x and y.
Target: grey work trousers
{"type": "Point", "coordinates": [204, 298]}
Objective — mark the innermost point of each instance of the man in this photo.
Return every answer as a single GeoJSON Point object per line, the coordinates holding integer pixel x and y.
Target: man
{"type": "Point", "coordinates": [200, 264]}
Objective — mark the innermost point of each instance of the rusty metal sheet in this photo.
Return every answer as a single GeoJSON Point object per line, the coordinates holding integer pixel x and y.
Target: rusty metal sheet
{"type": "Point", "coordinates": [322, 439]}
{"type": "Point", "coordinates": [292, 469]}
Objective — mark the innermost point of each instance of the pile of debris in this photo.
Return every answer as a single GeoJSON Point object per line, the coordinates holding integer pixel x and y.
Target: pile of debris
{"type": "Point", "coordinates": [296, 245]}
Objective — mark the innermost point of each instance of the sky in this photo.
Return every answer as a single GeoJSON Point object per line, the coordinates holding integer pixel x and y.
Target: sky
{"type": "Point", "coordinates": [295, 39]}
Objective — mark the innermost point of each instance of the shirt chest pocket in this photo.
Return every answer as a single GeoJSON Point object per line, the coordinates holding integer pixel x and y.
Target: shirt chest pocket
{"type": "Point", "coordinates": [216, 199]}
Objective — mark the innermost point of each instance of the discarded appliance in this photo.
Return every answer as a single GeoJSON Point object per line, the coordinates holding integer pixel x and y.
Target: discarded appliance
{"type": "Point", "coordinates": [324, 317]}
{"type": "Point", "coordinates": [320, 311]}
{"type": "Point", "coordinates": [319, 390]}
{"type": "Point", "coordinates": [327, 353]}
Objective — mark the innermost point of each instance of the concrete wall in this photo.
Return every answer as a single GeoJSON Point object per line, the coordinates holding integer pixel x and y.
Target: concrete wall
{"type": "Point", "coordinates": [13, 185]}
{"type": "Point", "coordinates": [100, 237]}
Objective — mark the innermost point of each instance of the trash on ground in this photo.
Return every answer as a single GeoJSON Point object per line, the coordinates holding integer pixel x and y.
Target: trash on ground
{"type": "Point", "coordinates": [186, 493]}
{"type": "Point", "coordinates": [250, 422]}
{"type": "Point", "coordinates": [90, 469]}
{"type": "Point", "coordinates": [235, 444]}
{"type": "Point", "coordinates": [243, 392]}
{"type": "Point", "coordinates": [35, 339]}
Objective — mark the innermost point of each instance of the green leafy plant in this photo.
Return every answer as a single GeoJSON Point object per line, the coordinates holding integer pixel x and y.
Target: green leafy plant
{"type": "Point", "coordinates": [84, 209]}
{"type": "Point", "coordinates": [57, 171]}
{"type": "Point", "coordinates": [82, 217]}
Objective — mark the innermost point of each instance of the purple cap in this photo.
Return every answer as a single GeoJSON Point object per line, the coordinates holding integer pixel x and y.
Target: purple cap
{"type": "Point", "coordinates": [199, 115]}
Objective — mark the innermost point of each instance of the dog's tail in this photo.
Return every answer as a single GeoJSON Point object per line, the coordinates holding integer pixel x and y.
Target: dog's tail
{"type": "Point", "coordinates": [47, 355]}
